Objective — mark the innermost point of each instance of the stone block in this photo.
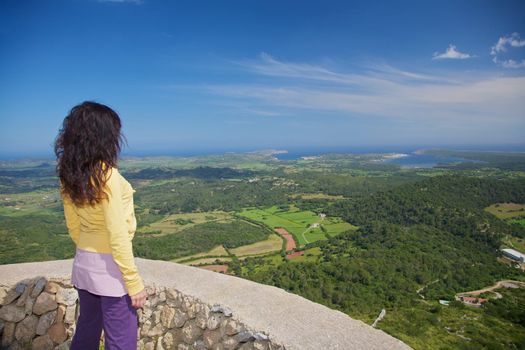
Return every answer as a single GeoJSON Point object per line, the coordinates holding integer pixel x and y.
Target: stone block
{"type": "Point", "coordinates": [180, 318]}
{"type": "Point", "coordinates": [39, 286]}
{"type": "Point", "coordinates": [67, 296]}
{"type": "Point", "coordinates": [61, 312]}
{"type": "Point", "coordinates": [211, 337]}
{"type": "Point", "coordinates": [230, 326]}
{"type": "Point", "coordinates": [8, 335]}
{"type": "Point", "coordinates": [45, 322]}
{"type": "Point", "coordinates": [58, 333]}
{"type": "Point", "coordinates": [230, 343]}
{"type": "Point", "coordinates": [167, 316]}
{"type": "Point", "coordinates": [44, 302]}
{"type": "Point", "coordinates": [70, 314]}
{"type": "Point", "coordinates": [12, 313]}
{"type": "Point", "coordinates": [214, 320]}
{"type": "Point", "coordinates": [26, 329]}
{"type": "Point", "coordinates": [52, 287]}
{"type": "Point", "coordinates": [191, 332]}
{"type": "Point", "coordinates": [43, 342]}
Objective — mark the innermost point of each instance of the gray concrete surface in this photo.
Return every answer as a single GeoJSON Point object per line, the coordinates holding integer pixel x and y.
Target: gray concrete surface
{"type": "Point", "coordinates": [289, 319]}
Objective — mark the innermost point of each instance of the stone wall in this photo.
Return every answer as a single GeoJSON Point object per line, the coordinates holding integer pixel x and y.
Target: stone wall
{"type": "Point", "coordinates": [40, 314]}
{"type": "Point", "coordinates": [187, 308]}
{"type": "Point", "coordinates": [37, 312]}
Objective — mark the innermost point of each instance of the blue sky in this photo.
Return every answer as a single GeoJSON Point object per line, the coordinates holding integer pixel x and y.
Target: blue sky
{"type": "Point", "coordinates": [245, 75]}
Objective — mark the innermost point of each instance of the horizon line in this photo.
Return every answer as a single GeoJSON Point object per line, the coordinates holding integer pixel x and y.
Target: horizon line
{"type": "Point", "coordinates": [344, 149]}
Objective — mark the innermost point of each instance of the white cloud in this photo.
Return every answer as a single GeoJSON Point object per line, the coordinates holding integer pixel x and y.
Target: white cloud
{"type": "Point", "coordinates": [513, 64]}
{"type": "Point", "coordinates": [384, 92]}
{"type": "Point", "coordinates": [267, 65]}
{"type": "Point", "coordinates": [451, 53]}
{"type": "Point", "coordinates": [512, 40]}
{"type": "Point", "coordinates": [503, 44]}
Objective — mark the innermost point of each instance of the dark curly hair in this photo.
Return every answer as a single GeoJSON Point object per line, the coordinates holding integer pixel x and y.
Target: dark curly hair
{"type": "Point", "coordinates": [87, 146]}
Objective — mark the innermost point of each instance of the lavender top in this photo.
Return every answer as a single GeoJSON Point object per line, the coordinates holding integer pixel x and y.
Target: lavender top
{"type": "Point", "coordinates": [97, 273]}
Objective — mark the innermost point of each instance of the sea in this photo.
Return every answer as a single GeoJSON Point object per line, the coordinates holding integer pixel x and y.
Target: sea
{"type": "Point", "coordinates": [402, 157]}
{"type": "Point", "coordinates": [405, 156]}
{"type": "Point", "coordinates": [409, 156]}
{"type": "Point", "coordinates": [416, 160]}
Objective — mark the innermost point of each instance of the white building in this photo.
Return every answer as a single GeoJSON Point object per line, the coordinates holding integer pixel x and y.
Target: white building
{"type": "Point", "coordinates": [514, 254]}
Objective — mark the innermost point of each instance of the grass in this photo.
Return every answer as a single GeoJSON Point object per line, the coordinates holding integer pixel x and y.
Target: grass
{"type": "Point", "coordinates": [317, 196]}
{"type": "Point", "coordinates": [214, 252]}
{"type": "Point", "coordinates": [199, 239]}
{"type": "Point", "coordinates": [520, 222]}
{"type": "Point", "coordinates": [507, 211]}
{"type": "Point", "coordinates": [297, 222]}
{"type": "Point", "coordinates": [40, 202]}
{"type": "Point", "coordinates": [310, 255]}
{"type": "Point", "coordinates": [177, 222]}
{"type": "Point", "coordinates": [207, 261]}
{"type": "Point", "coordinates": [516, 243]}
{"type": "Point", "coordinates": [269, 261]}
{"type": "Point", "coordinates": [273, 243]}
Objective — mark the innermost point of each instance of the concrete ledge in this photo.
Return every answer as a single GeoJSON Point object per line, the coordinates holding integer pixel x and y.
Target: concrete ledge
{"type": "Point", "coordinates": [289, 319]}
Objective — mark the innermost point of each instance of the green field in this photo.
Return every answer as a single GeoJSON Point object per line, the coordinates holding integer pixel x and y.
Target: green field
{"type": "Point", "coordinates": [217, 251]}
{"type": "Point", "coordinates": [416, 226]}
{"type": "Point", "coordinates": [298, 222]}
{"type": "Point", "coordinates": [520, 222]}
{"type": "Point", "coordinates": [272, 244]}
{"type": "Point", "coordinates": [506, 211]}
{"type": "Point", "coordinates": [198, 239]}
{"type": "Point", "coordinates": [316, 196]}
{"type": "Point", "coordinates": [177, 222]}
{"type": "Point", "coordinates": [310, 255]}
{"type": "Point", "coordinates": [517, 243]}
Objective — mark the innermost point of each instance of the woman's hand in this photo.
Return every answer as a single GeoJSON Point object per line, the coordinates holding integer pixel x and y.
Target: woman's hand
{"type": "Point", "coordinates": [138, 300]}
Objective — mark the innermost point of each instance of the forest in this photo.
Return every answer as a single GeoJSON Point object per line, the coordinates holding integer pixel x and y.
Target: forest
{"type": "Point", "coordinates": [431, 233]}
{"type": "Point", "coordinates": [419, 235]}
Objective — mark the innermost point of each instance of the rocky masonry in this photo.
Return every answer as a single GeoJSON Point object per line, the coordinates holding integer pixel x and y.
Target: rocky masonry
{"type": "Point", "coordinates": [37, 312]}
{"type": "Point", "coordinates": [40, 314]}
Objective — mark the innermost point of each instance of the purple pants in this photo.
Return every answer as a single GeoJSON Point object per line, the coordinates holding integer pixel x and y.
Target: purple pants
{"type": "Point", "coordinates": [115, 315]}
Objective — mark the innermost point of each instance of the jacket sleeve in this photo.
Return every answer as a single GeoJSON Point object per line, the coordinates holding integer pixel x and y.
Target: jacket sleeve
{"type": "Point", "coordinates": [72, 219]}
{"type": "Point", "coordinates": [119, 239]}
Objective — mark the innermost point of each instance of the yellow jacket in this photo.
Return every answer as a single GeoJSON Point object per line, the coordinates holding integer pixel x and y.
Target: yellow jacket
{"type": "Point", "coordinates": [108, 227]}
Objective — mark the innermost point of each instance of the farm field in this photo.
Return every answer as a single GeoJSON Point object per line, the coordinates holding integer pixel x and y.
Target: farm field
{"type": "Point", "coordinates": [177, 222]}
{"type": "Point", "coordinates": [298, 222]}
{"type": "Point", "coordinates": [516, 243]}
{"type": "Point", "coordinates": [224, 219]}
{"type": "Point", "coordinates": [310, 255]}
{"type": "Point", "coordinates": [216, 251]}
{"type": "Point", "coordinates": [520, 222]}
{"type": "Point", "coordinates": [263, 264]}
{"type": "Point", "coordinates": [30, 203]}
{"type": "Point", "coordinates": [273, 243]}
{"type": "Point", "coordinates": [198, 239]}
{"type": "Point", "coordinates": [507, 210]}
{"type": "Point", "coordinates": [273, 261]}
{"type": "Point", "coordinates": [240, 161]}
{"type": "Point", "coordinates": [207, 261]}
{"type": "Point", "coordinates": [216, 268]}
{"type": "Point", "coordinates": [316, 196]}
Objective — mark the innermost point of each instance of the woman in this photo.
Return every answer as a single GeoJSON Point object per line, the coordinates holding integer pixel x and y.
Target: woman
{"type": "Point", "coordinates": [99, 213]}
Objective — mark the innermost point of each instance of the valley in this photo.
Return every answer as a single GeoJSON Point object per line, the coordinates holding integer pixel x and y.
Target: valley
{"type": "Point", "coordinates": [350, 231]}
